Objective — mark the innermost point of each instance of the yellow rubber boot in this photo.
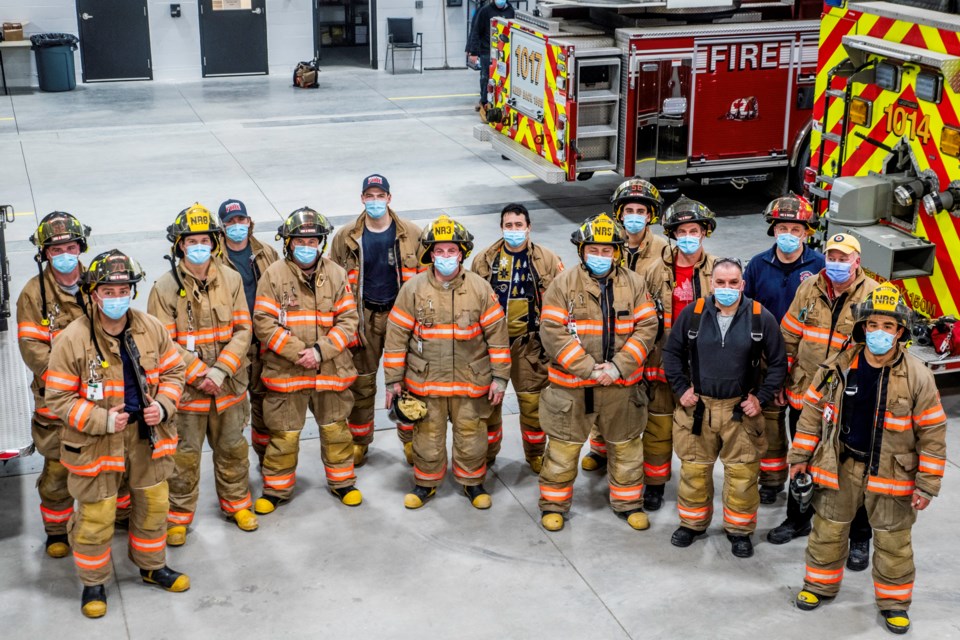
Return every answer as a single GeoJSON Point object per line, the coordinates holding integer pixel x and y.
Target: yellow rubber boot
{"type": "Point", "coordinates": [592, 462]}
{"type": "Point", "coordinates": [416, 498]}
{"type": "Point", "coordinates": [408, 452]}
{"type": "Point", "coordinates": [58, 547]}
{"type": "Point", "coordinates": [359, 454]}
{"type": "Point", "coordinates": [349, 496]}
{"type": "Point", "coordinates": [536, 463]}
{"type": "Point", "coordinates": [897, 622]}
{"type": "Point", "coordinates": [552, 521]}
{"type": "Point", "coordinates": [167, 578]}
{"type": "Point", "coordinates": [176, 536]}
{"type": "Point", "coordinates": [808, 601]}
{"type": "Point", "coordinates": [93, 602]}
{"type": "Point", "coordinates": [638, 520]}
{"type": "Point", "coordinates": [479, 497]}
{"type": "Point", "coordinates": [245, 520]}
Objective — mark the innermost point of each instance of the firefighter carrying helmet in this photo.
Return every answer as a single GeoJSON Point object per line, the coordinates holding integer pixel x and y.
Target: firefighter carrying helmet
{"type": "Point", "coordinates": [112, 267]}
{"type": "Point", "coordinates": [884, 300]}
{"type": "Point", "coordinates": [599, 229]}
{"type": "Point", "coordinates": [59, 227]}
{"type": "Point", "coordinates": [639, 191]}
{"type": "Point", "coordinates": [686, 210]}
{"type": "Point", "coordinates": [304, 223]}
{"type": "Point", "coordinates": [791, 208]}
{"type": "Point", "coordinates": [192, 221]}
{"type": "Point", "coordinates": [444, 229]}
{"type": "Point", "coordinates": [407, 409]}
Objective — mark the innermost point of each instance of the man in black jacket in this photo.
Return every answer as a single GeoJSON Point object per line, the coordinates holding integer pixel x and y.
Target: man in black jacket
{"type": "Point", "coordinates": [478, 44]}
{"type": "Point", "coordinates": [713, 363]}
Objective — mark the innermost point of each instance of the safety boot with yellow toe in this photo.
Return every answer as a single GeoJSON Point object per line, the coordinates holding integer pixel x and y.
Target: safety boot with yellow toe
{"type": "Point", "coordinates": [349, 496]}
{"type": "Point", "coordinates": [408, 452]}
{"type": "Point", "coordinates": [245, 520]}
{"type": "Point", "coordinates": [593, 462]}
{"type": "Point", "coordinates": [266, 504]}
{"type": "Point", "coordinates": [897, 622]}
{"type": "Point", "coordinates": [58, 546]}
{"type": "Point", "coordinates": [167, 578]}
{"type": "Point", "coordinates": [479, 497]}
{"type": "Point", "coordinates": [636, 519]}
{"type": "Point", "coordinates": [808, 600]}
{"type": "Point", "coordinates": [176, 536]}
{"type": "Point", "coordinates": [551, 520]}
{"type": "Point", "coordinates": [536, 463]}
{"type": "Point", "coordinates": [93, 602]}
{"type": "Point", "coordinates": [359, 454]}
{"type": "Point", "coordinates": [418, 497]}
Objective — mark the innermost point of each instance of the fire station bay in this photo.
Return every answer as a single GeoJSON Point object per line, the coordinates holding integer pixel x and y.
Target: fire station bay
{"type": "Point", "coordinates": [478, 319]}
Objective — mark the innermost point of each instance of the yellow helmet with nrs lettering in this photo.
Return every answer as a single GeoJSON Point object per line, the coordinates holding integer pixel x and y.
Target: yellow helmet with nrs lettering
{"type": "Point", "coordinates": [599, 229]}
{"type": "Point", "coordinates": [885, 300]}
{"type": "Point", "coordinates": [444, 229]}
{"type": "Point", "coordinates": [192, 221]}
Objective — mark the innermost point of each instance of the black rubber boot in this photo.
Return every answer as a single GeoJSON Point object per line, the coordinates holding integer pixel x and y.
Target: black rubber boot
{"type": "Point", "coordinates": [93, 602]}
{"type": "Point", "coordinates": [768, 495]}
{"type": "Point", "coordinates": [741, 546]}
{"type": "Point", "coordinates": [897, 622]}
{"type": "Point", "coordinates": [859, 558]}
{"type": "Point", "coordinates": [787, 531]}
{"type": "Point", "coordinates": [652, 497]}
{"type": "Point", "coordinates": [684, 536]}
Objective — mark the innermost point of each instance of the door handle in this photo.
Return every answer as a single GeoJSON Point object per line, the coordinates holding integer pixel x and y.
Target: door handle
{"type": "Point", "coordinates": [86, 16]}
{"type": "Point", "coordinates": [257, 11]}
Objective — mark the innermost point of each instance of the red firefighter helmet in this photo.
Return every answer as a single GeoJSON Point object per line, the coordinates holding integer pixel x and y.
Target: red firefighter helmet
{"type": "Point", "coordinates": [791, 208]}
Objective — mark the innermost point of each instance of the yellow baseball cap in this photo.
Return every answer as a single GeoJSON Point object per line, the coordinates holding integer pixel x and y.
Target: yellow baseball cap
{"type": "Point", "coordinates": [843, 242]}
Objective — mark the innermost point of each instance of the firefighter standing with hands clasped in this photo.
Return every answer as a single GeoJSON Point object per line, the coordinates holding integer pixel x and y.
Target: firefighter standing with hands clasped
{"type": "Point", "coordinates": [598, 325]}
{"type": "Point", "coordinates": [888, 460]}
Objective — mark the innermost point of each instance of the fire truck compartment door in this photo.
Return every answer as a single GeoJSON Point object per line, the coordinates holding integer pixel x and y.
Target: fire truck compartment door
{"type": "Point", "coordinates": [527, 74]}
{"type": "Point", "coordinates": [663, 122]}
{"type": "Point", "coordinates": [598, 112]}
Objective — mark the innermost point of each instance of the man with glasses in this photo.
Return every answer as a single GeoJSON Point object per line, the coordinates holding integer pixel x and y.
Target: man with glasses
{"type": "Point", "coordinates": [712, 361]}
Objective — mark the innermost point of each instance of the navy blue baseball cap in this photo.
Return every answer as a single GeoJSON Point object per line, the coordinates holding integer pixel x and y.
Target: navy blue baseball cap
{"type": "Point", "coordinates": [376, 180]}
{"type": "Point", "coordinates": [232, 209]}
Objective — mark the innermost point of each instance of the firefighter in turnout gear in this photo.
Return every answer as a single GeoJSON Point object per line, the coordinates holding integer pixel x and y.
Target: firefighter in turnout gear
{"type": "Point", "coordinates": [305, 317]}
{"type": "Point", "coordinates": [250, 258]}
{"type": "Point", "coordinates": [713, 361]}
{"type": "Point", "coordinates": [890, 461]}
{"type": "Point", "coordinates": [772, 279]}
{"type": "Point", "coordinates": [597, 326]}
{"type": "Point", "coordinates": [204, 309]}
{"type": "Point", "coordinates": [380, 252]}
{"type": "Point", "coordinates": [637, 204]}
{"type": "Point", "coordinates": [816, 327]}
{"type": "Point", "coordinates": [115, 379]}
{"type": "Point", "coordinates": [48, 303]}
{"type": "Point", "coordinates": [447, 344]}
{"type": "Point", "coordinates": [675, 278]}
{"type": "Point", "coordinates": [520, 272]}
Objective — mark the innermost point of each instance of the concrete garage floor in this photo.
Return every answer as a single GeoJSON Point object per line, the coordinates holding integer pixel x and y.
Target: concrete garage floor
{"type": "Point", "coordinates": [126, 158]}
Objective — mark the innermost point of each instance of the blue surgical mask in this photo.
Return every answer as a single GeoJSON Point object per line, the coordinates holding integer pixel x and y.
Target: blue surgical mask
{"type": "Point", "coordinates": [198, 253]}
{"type": "Point", "coordinates": [65, 262]}
{"type": "Point", "coordinates": [787, 242]}
{"type": "Point", "coordinates": [879, 342]}
{"type": "Point", "coordinates": [305, 255]}
{"type": "Point", "coordinates": [726, 296]}
{"type": "Point", "coordinates": [688, 244]}
{"type": "Point", "coordinates": [376, 209]}
{"type": "Point", "coordinates": [446, 266]}
{"type": "Point", "coordinates": [115, 308]}
{"type": "Point", "coordinates": [514, 238]}
{"type": "Point", "coordinates": [838, 271]}
{"type": "Point", "coordinates": [634, 222]}
{"type": "Point", "coordinates": [501, 4]}
{"type": "Point", "coordinates": [599, 265]}
{"type": "Point", "coordinates": [237, 232]}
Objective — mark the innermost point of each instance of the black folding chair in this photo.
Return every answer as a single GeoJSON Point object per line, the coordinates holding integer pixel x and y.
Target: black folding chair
{"type": "Point", "coordinates": [400, 36]}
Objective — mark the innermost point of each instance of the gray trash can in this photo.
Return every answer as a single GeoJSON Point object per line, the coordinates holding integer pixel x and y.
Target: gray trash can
{"type": "Point", "coordinates": [56, 70]}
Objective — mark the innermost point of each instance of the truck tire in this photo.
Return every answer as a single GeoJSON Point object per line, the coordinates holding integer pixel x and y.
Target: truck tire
{"type": "Point", "coordinates": [796, 173]}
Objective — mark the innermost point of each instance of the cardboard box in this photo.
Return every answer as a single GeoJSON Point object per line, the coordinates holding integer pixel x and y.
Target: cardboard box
{"type": "Point", "coordinates": [12, 31]}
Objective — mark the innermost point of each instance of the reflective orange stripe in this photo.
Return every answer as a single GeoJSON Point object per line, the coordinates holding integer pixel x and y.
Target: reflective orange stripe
{"type": "Point", "coordinates": [345, 303]}
{"type": "Point", "coordinates": [241, 317]}
{"type": "Point", "coordinates": [225, 402]}
{"type": "Point", "coordinates": [571, 353]}
{"type": "Point", "coordinates": [259, 438]}
{"type": "Point", "coordinates": [598, 446]}
{"type": "Point", "coordinates": [737, 518]}
{"type": "Point", "coordinates": [395, 359]}
{"type": "Point", "coordinates": [812, 395]}
{"type": "Point", "coordinates": [448, 331]}
{"type": "Point", "coordinates": [316, 383]}
{"type": "Point", "coordinates": [491, 316]}
{"type": "Point", "coordinates": [463, 473]}
{"type": "Point", "coordinates": [791, 325]}
{"type": "Point", "coordinates": [49, 515]}
{"type": "Point", "coordinates": [280, 482]}
{"type": "Point", "coordinates": [824, 576]}
{"type": "Point", "coordinates": [61, 381]}
{"type": "Point", "coordinates": [794, 399]}
{"type": "Point", "coordinates": [339, 475]}
{"type": "Point", "coordinates": [360, 430]}
{"type": "Point", "coordinates": [655, 374]}
{"type": "Point", "coordinates": [773, 464]}
{"type": "Point", "coordinates": [196, 369]}
{"type": "Point", "coordinates": [499, 356]}
{"type": "Point", "coordinates": [889, 486]}
{"type": "Point", "coordinates": [626, 494]}
{"type": "Point", "coordinates": [165, 447]}
{"type": "Point", "coordinates": [46, 413]}
{"type": "Point", "coordinates": [338, 337]}
{"type": "Point", "coordinates": [554, 314]}
{"type": "Point", "coordinates": [148, 545]}
{"type": "Point", "coordinates": [80, 413]}
{"type": "Point", "coordinates": [431, 388]}
{"type": "Point", "coordinates": [278, 340]}
{"type": "Point", "coordinates": [931, 416]}
{"type": "Point", "coordinates": [533, 437]}
{"type": "Point", "coordinates": [232, 507]}
{"type": "Point", "coordinates": [91, 562]}
{"type": "Point", "coordinates": [931, 465]}
{"type": "Point", "coordinates": [170, 390]}
{"type": "Point", "coordinates": [893, 591]}
{"type": "Point", "coordinates": [656, 471]}
{"type": "Point", "coordinates": [32, 331]}
{"type": "Point", "coordinates": [571, 381]}
{"type": "Point", "coordinates": [805, 441]}
{"type": "Point", "coordinates": [101, 464]}
{"type": "Point", "coordinates": [267, 306]}
{"type": "Point", "coordinates": [123, 502]}
{"type": "Point", "coordinates": [230, 360]}
{"type": "Point", "coordinates": [423, 475]}
{"type": "Point", "coordinates": [694, 513]}
{"type": "Point", "coordinates": [175, 517]}
{"type": "Point", "coordinates": [495, 436]}
{"type": "Point", "coordinates": [400, 318]}
{"type": "Point", "coordinates": [555, 494]}
{"type": "Point", "coordinates": [169, 360]}
{"type": "Point", "coordinates": [893, 423]}
{"type": "Point", "coordinates": [824, 477]}
{"type": "Point", "coordinates": [636, 349]}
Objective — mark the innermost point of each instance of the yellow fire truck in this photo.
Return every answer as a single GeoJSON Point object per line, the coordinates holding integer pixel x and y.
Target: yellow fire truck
{"type": "Point", "coordinates": [885, 148]}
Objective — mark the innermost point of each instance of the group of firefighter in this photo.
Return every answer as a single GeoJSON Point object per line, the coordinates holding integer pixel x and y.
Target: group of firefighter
{"type": "Point", "coordinates": [650, 346]}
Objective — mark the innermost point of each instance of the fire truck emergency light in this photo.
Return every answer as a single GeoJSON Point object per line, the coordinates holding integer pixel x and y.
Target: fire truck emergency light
{"type": "Point", "coordinates": [888, 77]}
{"type": "Point", "coordinates": [861, 112]}
{"type": "Point", "coordinates": [929, 87]}
{"type": "Point", "coordinates": [950, 142]}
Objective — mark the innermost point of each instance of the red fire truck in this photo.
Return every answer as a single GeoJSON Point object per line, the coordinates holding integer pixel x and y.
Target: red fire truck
{"type": "Point", "coordinates": [664, 89]}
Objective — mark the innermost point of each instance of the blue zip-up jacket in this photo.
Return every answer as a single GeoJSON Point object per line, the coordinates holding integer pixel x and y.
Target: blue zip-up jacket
{"type": "Point", "coordinates": [774, 284]}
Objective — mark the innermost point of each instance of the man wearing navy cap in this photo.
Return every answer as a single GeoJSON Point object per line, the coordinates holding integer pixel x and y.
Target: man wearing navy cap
{"type": "Point", "coordinates": [250, 258]}
{"type": "Point", "coordinates": [380, 251]}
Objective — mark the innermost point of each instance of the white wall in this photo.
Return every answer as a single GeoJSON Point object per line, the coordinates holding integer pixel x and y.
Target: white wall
{"type": "Point", "coordinates": [175, 42]}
